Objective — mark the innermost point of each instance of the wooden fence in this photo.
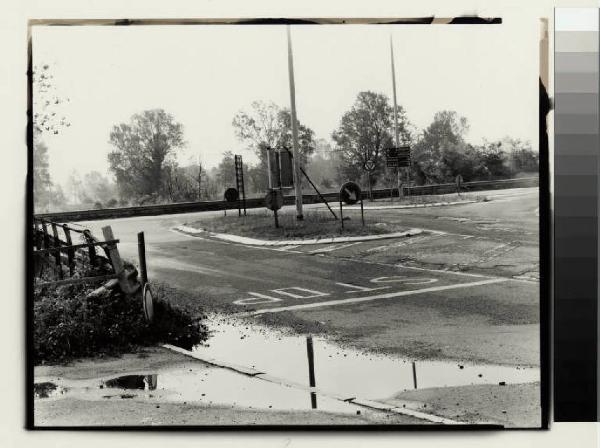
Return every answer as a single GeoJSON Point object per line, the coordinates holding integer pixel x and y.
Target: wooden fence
{"type": "Point", "coordinates": [59, 261]}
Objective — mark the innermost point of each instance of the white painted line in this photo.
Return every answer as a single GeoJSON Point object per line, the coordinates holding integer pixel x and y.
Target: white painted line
{"type": "Point", "coordinates": [332, 248]}
{"type": "Point", "coordinates": [524, 279]}
{"type": "Point", "coordinates": [390, 295]}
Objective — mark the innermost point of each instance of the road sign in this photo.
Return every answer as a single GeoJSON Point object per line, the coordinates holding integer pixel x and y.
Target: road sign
{"type": "Point", "coordinates": [231, 195]}
{"type": "Point", "coordinates": [274, 200]}
{"type": "Point", "coordinates": [148, 302]}
{"type": "Point", "coordinates": [397, 157]}
{"type": "Point", "coordinates": [459, 180]}
{"type": "Point", "coordinates": [350, 193]}
{"type": "Point", "coordinates": [369, 165]}
{"type": "Point", "coordinates": [281, 169]}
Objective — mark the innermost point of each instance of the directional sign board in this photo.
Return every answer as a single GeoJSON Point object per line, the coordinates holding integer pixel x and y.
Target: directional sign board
{"type": "Point", "coordinates": [274, 200]}
{"type": "Point", "coordinates": [350, 193]}
{"type": "Point", "coordinates": [281, 168]}
{"type": "Point", "coordinates": [397, 157]}
{"type": "Point", "coordinates": [231, 195]}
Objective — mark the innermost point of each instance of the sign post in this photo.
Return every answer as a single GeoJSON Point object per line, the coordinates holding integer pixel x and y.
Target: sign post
{"type": "Point", "coordinates": [274, 201]}
{"type": "Point", "coordinates": [296, 153]}
{"type": "Point", "coordinates": [239, 180]}
{"type": "Point", "coordinates": [231, 195]}
{"type": "Point", "coordinates": [350, 194]}
{"type": "Point", "coordinates": [399, 157]}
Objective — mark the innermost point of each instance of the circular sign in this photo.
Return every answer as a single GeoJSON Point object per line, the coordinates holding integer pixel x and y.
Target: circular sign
{"type": "Point", "coordinates": [148, 302]}
{"type": "Point", "coordinates": [274, 200]}
{"type": "Point", "coordinates": [231, 195]}
{"type": "Point", "coordinates": [350, 193]}
{"type": "Point", "coordinates": [369, 165]}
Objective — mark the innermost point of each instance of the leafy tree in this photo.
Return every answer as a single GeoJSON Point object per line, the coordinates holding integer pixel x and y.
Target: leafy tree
{"type": "Point", "coordinates": [142, 147]}
{"type": "Point", "coordinates": [41, 177]}
{"type": "Point", "coordinates": [46, 120]}
{"type": "Point", "coordinates": [441, 150]}
{"type": "Point", "coordinates": [365, 131]}
{"type": "Point", "coordinates": [269, 126]}
{"type": "Point", "coordinates": [46, 102]}
{"type": "Point", "coordinates": [226, 170]}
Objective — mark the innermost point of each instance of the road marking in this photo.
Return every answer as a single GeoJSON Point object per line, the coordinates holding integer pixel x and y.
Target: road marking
{"type": "Point", "coordinates": [469, 274]}
{"type": "Point", "coordinates": [360, 288]}
{"type": "Point", "coordinates": [390, 295]}
{"type": "Point", "coordinates": [257, 299]}
{"type": "Point", "coordinates": [332, 248]}
{"type": "Point", "coordinates": [309, 293]}
{"type": "Point", "coordinates": [404, 280]}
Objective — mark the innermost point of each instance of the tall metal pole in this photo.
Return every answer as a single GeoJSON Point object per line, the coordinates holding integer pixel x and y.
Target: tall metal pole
{"type": "Point", "coordinates": [396, 131]}
{"type": "Point", "coordinates": [295, 151]}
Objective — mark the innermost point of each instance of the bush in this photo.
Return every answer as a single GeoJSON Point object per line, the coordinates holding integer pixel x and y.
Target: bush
{"type": "Point", "coordinates": [68, 325]}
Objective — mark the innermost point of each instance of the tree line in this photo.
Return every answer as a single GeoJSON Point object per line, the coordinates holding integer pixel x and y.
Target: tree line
{"type": "Point", "coordinates": [145, 168]}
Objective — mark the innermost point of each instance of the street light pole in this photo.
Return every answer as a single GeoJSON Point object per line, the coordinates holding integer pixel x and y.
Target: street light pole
{"type": "Point", "coordinates": [396, 131]}
{"type": "Point", "coordinates": [295, 151]}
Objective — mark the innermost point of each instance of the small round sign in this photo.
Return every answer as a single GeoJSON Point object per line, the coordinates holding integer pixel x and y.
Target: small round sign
{"type": "Point", "coordinates": [148, 302]}
{"type": "Point", "coordinates": [231, 195]}
{"type": "Point", "coordinates": [274, 200]}
{"type": "Point", "coordinates": [369, 165]}
{"type": "Point", "coordinates": [350, 193]}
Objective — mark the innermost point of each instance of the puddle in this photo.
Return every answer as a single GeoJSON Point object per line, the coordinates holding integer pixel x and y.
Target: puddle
{"type": "Point", "coordinates": [345, 371]}
{"type": "Point", "coordinates": [199, 386]}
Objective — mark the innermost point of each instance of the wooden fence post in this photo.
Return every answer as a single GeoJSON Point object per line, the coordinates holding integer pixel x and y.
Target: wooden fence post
{"type": "Point", "coordinates": [142, 256]}
{"type": "Point", "coordinates": [57, 257]}
{"type": "Point", "coordinates": [116, 261]}
{"type": "Point", "coordinates": [46, 238]}
{"type": "Point", "coordinates": [70, 252]}
{"type": "Point", "coordinates": [87, 235]}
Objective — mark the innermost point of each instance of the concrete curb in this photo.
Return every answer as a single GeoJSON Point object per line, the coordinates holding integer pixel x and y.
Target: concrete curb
{"type": "Point", "coordinates": [283, 382]}
{"type": "Point", "coordinates": [256, 242]}
{"type": "Point", "coordinates": [433, 204]}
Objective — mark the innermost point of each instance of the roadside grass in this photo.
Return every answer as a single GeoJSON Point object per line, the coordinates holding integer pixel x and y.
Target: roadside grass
{"type": "Point", "coordinates": [69, 324]}
{"type": "Point", "coordinates": [316, 224]}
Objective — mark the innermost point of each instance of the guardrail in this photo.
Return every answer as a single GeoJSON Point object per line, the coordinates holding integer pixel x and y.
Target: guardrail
{"type": "Point", "coordinates": [204, 206]}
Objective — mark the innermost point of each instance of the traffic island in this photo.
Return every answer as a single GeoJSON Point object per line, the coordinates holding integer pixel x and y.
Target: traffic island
{"type": "Point", "coordinates": [258, 229]}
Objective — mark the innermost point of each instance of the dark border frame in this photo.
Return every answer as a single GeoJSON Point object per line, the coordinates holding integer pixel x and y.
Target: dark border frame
{"type": "Point", "coordinates": [544, 229]}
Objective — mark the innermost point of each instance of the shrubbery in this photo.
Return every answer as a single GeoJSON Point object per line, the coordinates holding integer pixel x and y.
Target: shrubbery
{"type": "Point", "coordinates": [68, 324]}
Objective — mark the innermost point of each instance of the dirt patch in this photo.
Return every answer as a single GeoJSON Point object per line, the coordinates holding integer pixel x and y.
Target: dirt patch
{"type": "Point", "coordinates": [73, 413]}
{"type": "Point", "coordinates": [513, 405]}
{"type": "Point", "coordinates": [145, 359]}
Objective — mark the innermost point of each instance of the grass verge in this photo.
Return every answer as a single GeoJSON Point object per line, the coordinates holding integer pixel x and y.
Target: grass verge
{"type": "Point", "coordinates": [316, 224]}
{"type": "Point", "coordinates": [68, 324]}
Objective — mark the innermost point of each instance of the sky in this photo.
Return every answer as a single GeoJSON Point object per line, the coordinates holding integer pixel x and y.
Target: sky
{"type": "Point", "coordinates": [204, 74]}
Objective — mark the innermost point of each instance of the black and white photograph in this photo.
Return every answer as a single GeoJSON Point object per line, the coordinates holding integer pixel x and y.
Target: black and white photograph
{"type": "Point", "coordinates": [286, 223]}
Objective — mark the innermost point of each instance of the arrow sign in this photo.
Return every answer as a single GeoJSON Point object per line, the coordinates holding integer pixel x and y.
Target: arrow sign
{"type": "Point", "coordinates": [350, 193]}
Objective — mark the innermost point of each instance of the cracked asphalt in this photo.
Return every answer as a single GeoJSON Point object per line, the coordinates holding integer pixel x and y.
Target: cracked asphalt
{"type": "Point", "coordinates": [465, 289]}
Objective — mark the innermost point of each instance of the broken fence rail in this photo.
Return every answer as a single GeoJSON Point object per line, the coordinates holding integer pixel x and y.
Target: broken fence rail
{"type": "Point", "coordinates": [49, 250]}
{"type": "Point", "coordinates": [192, 207]}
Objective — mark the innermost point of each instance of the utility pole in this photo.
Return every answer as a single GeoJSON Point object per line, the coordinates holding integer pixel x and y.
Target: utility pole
{"type": "Point", "coordinates": [295, 151]}
{"type": "Point", "coordinates": [396, 131]}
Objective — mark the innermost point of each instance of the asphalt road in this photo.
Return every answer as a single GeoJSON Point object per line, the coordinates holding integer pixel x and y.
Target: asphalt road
{"type": "Point", "coordinates": [466, 288]}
